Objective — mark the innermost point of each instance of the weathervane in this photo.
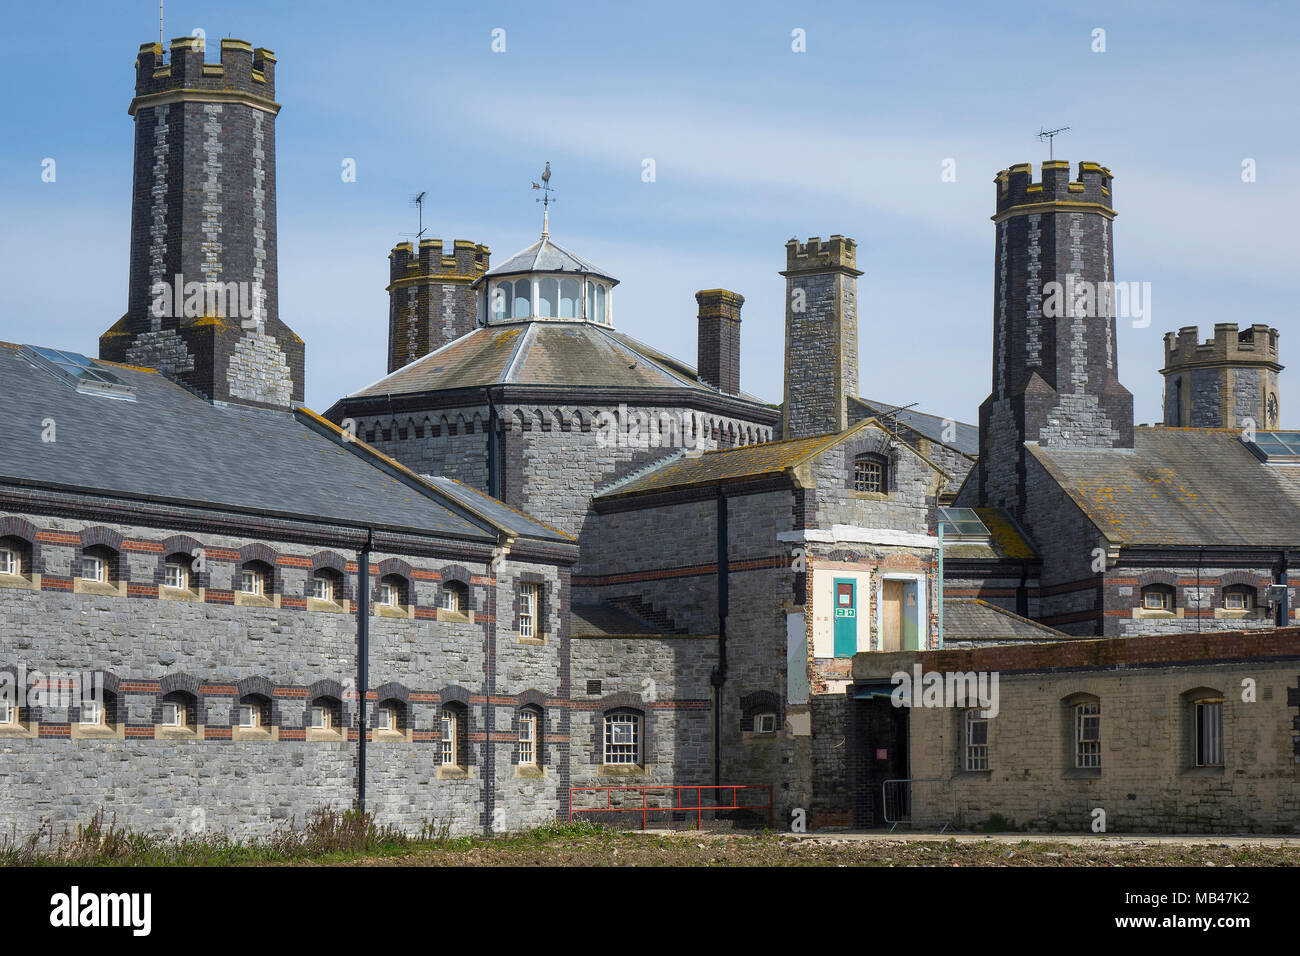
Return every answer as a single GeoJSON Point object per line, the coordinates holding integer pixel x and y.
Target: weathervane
{"type": "Point", "coordinates": [546, 200]}
{"type": "Point", "coordinates": [1047, 135]}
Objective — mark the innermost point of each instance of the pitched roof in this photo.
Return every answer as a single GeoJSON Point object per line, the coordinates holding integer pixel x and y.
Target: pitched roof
{"type": "Point", "coordinates": [1006, 540]}
{"type": "Point", "coordinates": [975, 621]}
{"type": "Point", "coordinates": [966, 438]}
{"type": "Point", "coordinates": [544, 255]}
{"type": "Point", "coordinates": [768, 459]}
{"type": "Point", "coordinates": [1180, 487]}
{"type": "Point", "coordinates": [169, 444]}
{"type": "Point", "coordinates": [565, 353]}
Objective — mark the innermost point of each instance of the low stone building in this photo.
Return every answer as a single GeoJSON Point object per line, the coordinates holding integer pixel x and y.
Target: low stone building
{"type": "Point", "coordinates": [1194, 733]}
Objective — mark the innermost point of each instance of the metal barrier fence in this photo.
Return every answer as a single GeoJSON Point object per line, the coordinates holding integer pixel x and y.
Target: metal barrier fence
{"type": "Point", "coordinates": [727, 798]}
{"type": "Point", "coordinates": [936, 796]}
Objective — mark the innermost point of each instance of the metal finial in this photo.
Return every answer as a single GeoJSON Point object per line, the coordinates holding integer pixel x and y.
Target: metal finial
{"type": "Point", "coordinates": [546, 200]}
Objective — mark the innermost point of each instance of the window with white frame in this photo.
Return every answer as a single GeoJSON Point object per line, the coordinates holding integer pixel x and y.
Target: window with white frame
{"type": "Point", "coordinates": [529, 603]}
{"type": "Point", "coordinates": [92, 713]}
{"type": "Point", "coordinates": [1207, 727]}
{"type": "Point", "coordinates": [1158, 597]}
{"type": "Point", "coordinates": [623, 738]}
{"type": "Point", "coordinates": [384, 719]}
{"type": "Point", "coordinates": [93, 568]}
{"type": "Point", "coordinates": [325, 714]}
{"type": "Point", "coordinates": [8, 712]}
{"type": "Point", "coordinates": [765, 723]}
{"type": "Point", "coordinates": [528, 738]}
{"type": "Point", "coordinates": [455, 733]}
{"type": "Point", "coordinates": [249, 716]}
{"type": "Point", "coordinates": [455, 597]}
{"type": "Point", "coordinates": [252, 581]}
{"type": "Point", "coordinates": [392, 590]}
{"type": "Point", "coordinates": [173, 714]}
{"type": "Point", "coordinates": [11, 561]}
{"type": "Point", "coordinates": [977, 740]}
{"type": "Point", "coordinates": [176, 575]}
{"type": "Point", "coordinates": [1087, 735]}
{"type": "Point", "coordinates": [322, 586]}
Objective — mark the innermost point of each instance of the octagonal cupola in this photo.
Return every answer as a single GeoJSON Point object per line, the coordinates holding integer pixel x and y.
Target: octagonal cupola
{"type": "Point", "coordinates": [547, 282]}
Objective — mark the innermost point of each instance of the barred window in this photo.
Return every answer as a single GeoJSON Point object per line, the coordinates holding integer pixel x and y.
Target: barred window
{"type": "Point", "coordinates": [623, 738]}
{"type": "Point", "coordinates": [977, 740]}
{"type": "Point", "coordinates": [528, 606]}
{"type": "Point", "coordinates": [454, 746]}
{"type": "Point", "coordinates": [527, 738]}
{"type": "Point", "coordinates": [1208, 716]}
{"type": "Point", "coordinates": [1087, 735]}
{"type": "Point", "coordinates": [869, 473]}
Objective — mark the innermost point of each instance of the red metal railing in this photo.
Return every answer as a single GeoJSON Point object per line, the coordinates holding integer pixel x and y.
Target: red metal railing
{"type": "Point", "coordinates": [677, 806]}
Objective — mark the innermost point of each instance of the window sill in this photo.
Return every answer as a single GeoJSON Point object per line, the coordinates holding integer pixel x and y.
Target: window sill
{"type": "Point", "coordinates": [758, 736]}
{"type": "Point", "coordinates": [327, 607]}
{"type": "Point", "coordinates": [871, 495]}
{"type": "Point", "coordinates": [452, 772]}
{"type": "Point", "coordinates": [455, 617]}
{"type": "Point", "coordinates": [975, 774]}
{"type": "Point", "coordinates": [622, 770]}
{"type": "Point", "coordinates": [534, 641]}
{"type": "Point", "coordinates": [255, 600]}
{"type": "Point", "coordinates": [255, 734]}
{"type": "Point", "coordinates": [405, 612]}
{"type": "Point", "coordinates": [28, 730]}
{"type": "Point", "coordinates": [1083, 773]}
{"type": "Point", "coordinates": [390, 736]}
{"type": "Point", "coordinates": [317, 733]}
{"type": "Point", "coordinates": [1216, 771]}
{"type": "Point", "coordinates": [181, 594]}
{"type": "Point", "coordinates": [161, 732]}
{"type": "Point", "coordinates": [82, 586]}
{"type": "Point", "coordinates": [530, 771]}
{"type": "Point", "coordinates": [20, 582]}
{"type": "Point", "coordinates": [1142, 613]}
{"type": "Point", "coordinates": [1254, 614]}
{"type": "Point", "coordinates": [98, 731]}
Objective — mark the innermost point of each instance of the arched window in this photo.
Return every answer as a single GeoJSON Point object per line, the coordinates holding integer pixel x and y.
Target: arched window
{"type": "Point", "coordinates": [254, 712]}
{"type": "Point", "coordinates": [326, 586]}
{"type": "Point", "coordinates": [623, 735]}
{"type": "Point", "coordinates": [523, 306]}
{"type": "Point", "coordinates": [392, 592]}
{"type": "Point", "coordinates": [529, 747]}
{"type": "Point", "coordinates": [454, 745]}
{"type": "Point", "coordinates": [871, 473]}
{"type": "Point", "coordinates": [455, 597]}
{"type": "Point", "coordinates": [1239, 597]}
{"type": "Point", "coordinates": [570, 296]}
{"type": "Point", "coordinates": [176, 572]}
{"type": "Point", "coordinates": [591, 301]}
{"type": "Point", "coordinates": [600, 303]}
{"type": "Point", "coordinates": [499, 300]}
{"type": "Point", "coordinates": [390, 717]}
{"type": "Point", "coordinates": [1158, 597]}
{"type": "Point", "coordinates": [548, 297]}
{"type": "Point", "coordinates": [98, 711]}
{"type": "Point", "coordinates": [325, 716]}
{"type": "Point", "coordinates": [178, 711]}
{"type": "Point", "coordinates": [15, 558]}
{"type": "Point", "coordinates": [1087, 735]}
{"type": "Point", "coordinates": [98, 565]}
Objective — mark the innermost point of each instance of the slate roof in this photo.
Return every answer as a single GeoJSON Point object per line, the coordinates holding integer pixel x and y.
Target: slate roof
{"type": "Point", "coordinates": [1180, 486]}
{"type": "Point", "coordinates": [172, 445]}
{"type": "Point", "coordinates": [966, 439]}
{"type": "Point", "coordinates": [975, 621]}
{"type": "Point", "coordinates": [516, 522]}
{"type": "Point", "coordinates": [768, 459]}
{"type": "Point", "coordinates": [572, 354]}
{"type": "Point", "coordinates": [547, 256]}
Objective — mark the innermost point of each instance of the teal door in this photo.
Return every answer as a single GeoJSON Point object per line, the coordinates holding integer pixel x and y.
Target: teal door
{"type": "Point", "coordinates": [846, 617]}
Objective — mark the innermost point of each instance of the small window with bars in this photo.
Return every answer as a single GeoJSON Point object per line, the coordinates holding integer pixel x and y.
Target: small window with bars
{"type": "Point", "coordinates": [527, 739]}
{"type": "Point", "coordinates": [870, 473]}
{"type": "Point", "coordinates": [1087, 736]}
{"type": "Point", "coordinates": [623, 738]}
{"type": "Point", "coordinates": [977, 740]}
{"type": "Point", "coordinates": [1208, 733]}
{"type": "Point", "coordinates": [529, 602]}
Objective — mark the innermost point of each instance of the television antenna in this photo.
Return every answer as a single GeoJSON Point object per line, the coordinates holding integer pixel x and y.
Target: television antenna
{"type": "Point", "coordinates": [418, 202]}
{"type": "Point", "coordinates": [1047, 135]}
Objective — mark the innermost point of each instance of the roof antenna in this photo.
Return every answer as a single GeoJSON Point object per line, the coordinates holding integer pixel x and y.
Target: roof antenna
{"type": "Point", "coordinates": [1047, 135]}
{"type": "Point", "coordinates": [418, 201]}
{"type": "Point", "coordinates": [160, 27]}
{"type": "Point", "coordinates": [546, 200]}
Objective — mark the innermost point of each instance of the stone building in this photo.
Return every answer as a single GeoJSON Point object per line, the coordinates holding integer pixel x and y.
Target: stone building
{"type": "Point", "coordinates": [1229, 381]}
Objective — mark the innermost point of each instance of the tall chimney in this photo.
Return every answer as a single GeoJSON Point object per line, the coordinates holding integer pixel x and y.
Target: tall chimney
{"type": "Point", "coordinates": [719, 339]}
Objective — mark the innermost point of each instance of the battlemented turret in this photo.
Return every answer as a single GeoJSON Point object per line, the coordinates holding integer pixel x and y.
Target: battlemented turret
{"type": "Point", "coordinates": [430, 299]}
{"type": "Point", "coordinates": [202, 303]}
{"type": "Point", "coordinates": [1225, 382]}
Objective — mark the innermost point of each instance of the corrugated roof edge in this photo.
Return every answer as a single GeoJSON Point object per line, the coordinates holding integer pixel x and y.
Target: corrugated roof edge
{"type": "Point", "coordinates": [395, 468]}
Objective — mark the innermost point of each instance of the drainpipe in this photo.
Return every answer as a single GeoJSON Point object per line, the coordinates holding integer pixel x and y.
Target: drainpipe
{"type": "Point", "coordinates": [940, 585]}
{"type": "Point", "coordinates": [1199, 556]}
{"type": "Point", "coordinates": [1283, 607]}
{"type": "Point", "coordinates": [363, 660]}
{"type": "Point", "coordinates": [719, 676]}
{"type": "Point", "coordinates": [493, 448]}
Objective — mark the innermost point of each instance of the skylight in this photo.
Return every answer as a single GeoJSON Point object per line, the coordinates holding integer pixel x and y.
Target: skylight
{"type": "Point", "coordinates": [79, 372]}
{"type": "Point", "coordinates": [1276, 446]}
{"type": "Point", "coordinates": [962, 523]}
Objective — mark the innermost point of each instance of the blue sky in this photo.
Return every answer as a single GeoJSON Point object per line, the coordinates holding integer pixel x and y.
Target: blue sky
{"type": "Point", "coordinates": [753, 144]}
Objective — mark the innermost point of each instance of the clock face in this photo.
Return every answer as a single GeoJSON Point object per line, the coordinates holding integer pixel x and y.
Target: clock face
{"type": "Point", "coordinates": [1272, 410]}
